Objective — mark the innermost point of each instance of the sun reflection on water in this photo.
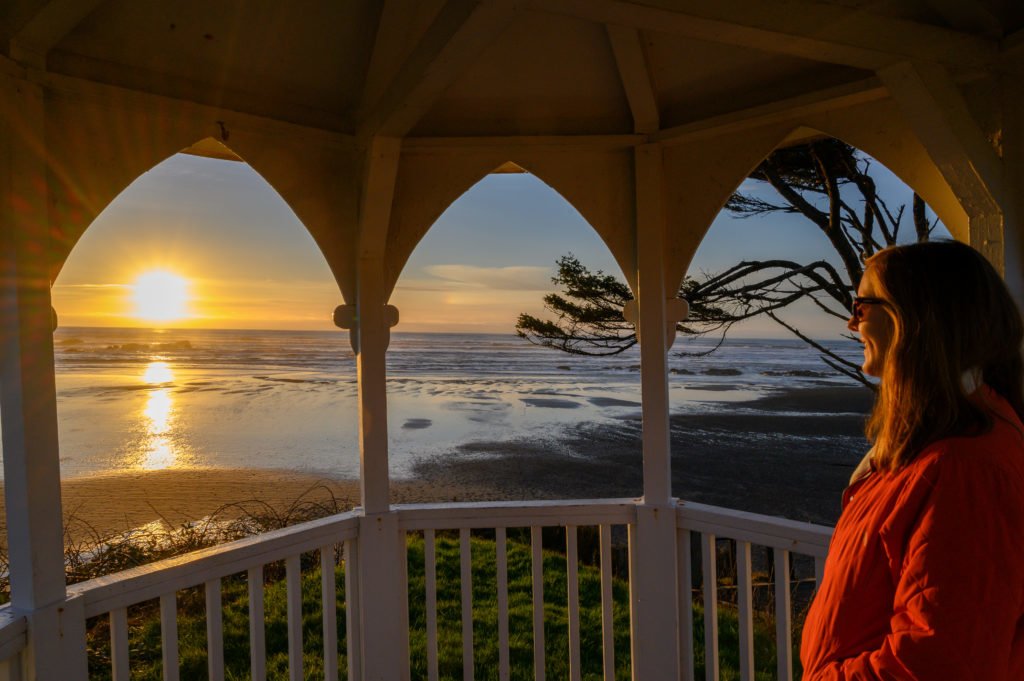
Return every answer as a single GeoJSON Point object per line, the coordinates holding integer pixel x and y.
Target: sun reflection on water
{"type": "Point", "coordinates": [162, 454]}
{"type": "Point", "coordinates": [160, 450]}
{"type": "Point", "coordinates": [158, 410]}
{"type": "Point", "coordinates": [157, 372]}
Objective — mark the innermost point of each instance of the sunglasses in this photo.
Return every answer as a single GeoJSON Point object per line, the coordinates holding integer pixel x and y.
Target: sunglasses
{"type": "Point", "coordinates": [857, 309]}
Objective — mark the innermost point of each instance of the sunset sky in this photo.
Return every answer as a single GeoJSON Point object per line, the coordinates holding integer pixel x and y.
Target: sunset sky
{"type": "Point", "coordinates": [222, 250]}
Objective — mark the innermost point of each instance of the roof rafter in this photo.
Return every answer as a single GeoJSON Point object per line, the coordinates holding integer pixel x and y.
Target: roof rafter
{"type": "Point", "coordinates": [635, 75]}
{"type": "Point", "coordinates": [48, 27]}
{"type": "Point", "coordinates": [840, 96]}
{"type": "Point", "coordinates": [799, 28]}
{"type": "Point", "coordinates": [1012, 49]}
{"type": "Point", "coordinates": [402, 23]}
{"type": "Point", "coordinates": [973, 17]}
{"type": "Point", "coordinates": [460, 32]}
{"type": "Point", "coordinates": [939, 115]}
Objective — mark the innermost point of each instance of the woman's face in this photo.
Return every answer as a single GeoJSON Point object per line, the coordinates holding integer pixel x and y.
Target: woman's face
{"type": "Point", "coordinates": [874, 324]}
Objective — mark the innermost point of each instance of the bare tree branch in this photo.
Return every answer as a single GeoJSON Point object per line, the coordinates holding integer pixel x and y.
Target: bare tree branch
{"type": "Point", "coordinates": [828, 183]}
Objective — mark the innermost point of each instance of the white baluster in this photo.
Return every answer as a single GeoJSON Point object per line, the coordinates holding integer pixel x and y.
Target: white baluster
{"type": "Point", "coordinates": [119, 645]}
{"type": "Point", "coordinates": [501, 560]}
{"type": "Point", "coordinates": [466, 560]}
{"type": "Point", "coordinates": [745, 603]}
{"type": "Point", "coordinates": [328, 596]}
{"type": "Point", "coordinates": [537, 554]}
{"type": "Point", "coordinates": [783, 618]}
{"type": "Point", "coordinates": [710, 574]}
{"type": "Point", "coordinates": [214, 631]}
{"type": "Point", "coordinates": [607, 612]}
{"type": "Point", "coordinates": [684, 560]}
{"type": "Point", "coordinates": [293, 584]}
{"type": "Point", "coordinates": [169, 635]}
{"type": "Point", "coordinates": [430, 570]}
{"type": "Point", "coordinates": [572, 565]}
{"type": "Point", "coordinates": [353, 634]}
{"type": "Point", "coordinates": [257, 633]}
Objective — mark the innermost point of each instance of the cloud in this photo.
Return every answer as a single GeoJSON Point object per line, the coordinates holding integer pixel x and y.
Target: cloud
{"type": "Point", "coordinates": [515, 278]}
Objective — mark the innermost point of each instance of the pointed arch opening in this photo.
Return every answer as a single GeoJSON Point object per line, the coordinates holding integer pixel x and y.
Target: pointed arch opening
{"type": "Point", "coordinates": [783, 397]}
{"type": "Point", "coordinates": [196, 361]}
{"type": "Point", "coordinates": [472, 402]}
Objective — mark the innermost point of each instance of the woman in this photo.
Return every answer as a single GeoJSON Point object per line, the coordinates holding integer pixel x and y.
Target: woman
{"type": "Point", "coordinates": [925, 574]}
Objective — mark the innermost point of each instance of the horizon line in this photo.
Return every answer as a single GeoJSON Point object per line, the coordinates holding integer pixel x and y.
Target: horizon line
{"type": "Point", "coordinates": [428, 333]}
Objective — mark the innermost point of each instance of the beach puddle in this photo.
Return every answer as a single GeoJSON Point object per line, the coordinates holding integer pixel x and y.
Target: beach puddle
{"type": "Point", "coordinates": [549, 403]}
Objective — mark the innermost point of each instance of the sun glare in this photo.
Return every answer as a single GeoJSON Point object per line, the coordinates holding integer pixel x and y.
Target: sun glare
{"type": "Point", "coordinates": [160, 296]}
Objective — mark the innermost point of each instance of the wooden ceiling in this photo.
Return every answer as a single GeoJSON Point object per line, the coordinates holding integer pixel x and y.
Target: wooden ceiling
{"type": "Point", "coordinates": [499, 67]}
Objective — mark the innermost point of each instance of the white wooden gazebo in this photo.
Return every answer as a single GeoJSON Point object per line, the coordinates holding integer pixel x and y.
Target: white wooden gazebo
{"type": "Point", "coordinates": [370, 117]}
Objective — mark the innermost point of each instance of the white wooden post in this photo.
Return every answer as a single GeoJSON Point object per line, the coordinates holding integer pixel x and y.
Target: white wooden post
{"type": "Point", "coordinates": [653, 579]}
{"type": "Point", "coordinates": [383, 599]}
{"type": "Point", "coordinates": [28, 401]}
{"type": "Point", "coordinates": [373, 334]}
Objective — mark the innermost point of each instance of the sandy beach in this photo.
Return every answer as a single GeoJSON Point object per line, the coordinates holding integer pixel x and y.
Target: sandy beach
{"type": "Point", "coordinates": [734, 457]}
{"type": "Point", "coordinates": [101, 505]}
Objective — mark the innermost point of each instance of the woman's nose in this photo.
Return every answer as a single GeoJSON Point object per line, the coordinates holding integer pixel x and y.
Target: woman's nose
{"type": "Point", "coordinates": [853, 323]}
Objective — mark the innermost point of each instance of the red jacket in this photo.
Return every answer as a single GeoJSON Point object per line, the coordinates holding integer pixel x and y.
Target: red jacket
{"type": "Point", "coordinates": [924, 579]}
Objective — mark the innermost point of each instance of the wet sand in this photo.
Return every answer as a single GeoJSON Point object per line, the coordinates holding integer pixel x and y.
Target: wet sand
{"type": "Point", "coordinates": [789, 454]}
{"type": "Point", "coordinates": [779, 455]}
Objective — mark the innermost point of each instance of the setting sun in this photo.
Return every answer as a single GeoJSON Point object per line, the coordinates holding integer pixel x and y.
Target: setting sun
{"type": "Point", "coordinates": [160, 296]}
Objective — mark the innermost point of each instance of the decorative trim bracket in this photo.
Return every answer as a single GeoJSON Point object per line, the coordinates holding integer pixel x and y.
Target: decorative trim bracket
{"type": "Point", "coordinates": [347, 317]}
{"type": "Point", "coordinates": [676, 310]}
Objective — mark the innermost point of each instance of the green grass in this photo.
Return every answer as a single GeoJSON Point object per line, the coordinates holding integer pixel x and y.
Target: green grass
{"type": "Point", "coordinates": [145, 646]}
{"type": "Point", "coordinates": [520, 606]}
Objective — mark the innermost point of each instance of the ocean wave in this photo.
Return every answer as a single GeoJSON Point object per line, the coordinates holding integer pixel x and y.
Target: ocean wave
{"type": "Point", "coordinates": [170, 346]}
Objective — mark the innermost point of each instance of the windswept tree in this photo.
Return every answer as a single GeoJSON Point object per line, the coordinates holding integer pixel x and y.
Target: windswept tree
{"type": "Point", "coordinates": [826, 182]}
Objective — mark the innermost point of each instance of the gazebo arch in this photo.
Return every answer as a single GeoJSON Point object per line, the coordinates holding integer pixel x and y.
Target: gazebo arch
{"type": "Point", "coordinates": [707, 171]}
{"type": "Point", "coordinates": [422, 196]}
{"type": "Point", "coordinates": [315, 175]}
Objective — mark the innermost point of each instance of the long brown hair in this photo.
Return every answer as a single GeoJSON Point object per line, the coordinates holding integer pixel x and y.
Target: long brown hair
{"type": "Point", "coordinates": [952, 313]}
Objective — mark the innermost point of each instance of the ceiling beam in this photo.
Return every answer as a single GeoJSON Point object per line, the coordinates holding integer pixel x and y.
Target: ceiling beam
{"type": "Point", "coordinates": [829, 99]}
{"type": "Point", "coordinates": [460, 32]}
{"type": "Point", "coordinates": [438, 145]}
{"type": "Point", "coordinates": [402, 23]}
{"type": "Point", "coordinates": [972, 17]}
{"type": "Point", "coordinates": [120, 98]}
{"type": "Point", "coordinates": [1011, 50]}
{"type": "Point", "coordinates": [631, 59]}
{"type": "Point", "coordinates": [55, 20]}
{"type": "Point", "coordinates": [799, 28]}
{"type": "Point", "coordinates": [936, 110]}
{"type": "Point", "coordinates": [792, 108]}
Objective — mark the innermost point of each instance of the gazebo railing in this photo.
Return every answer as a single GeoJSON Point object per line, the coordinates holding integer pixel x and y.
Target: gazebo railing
{"type": "Point", "coordinates": [604, 515]}
{"type": "Point", "coordinates": [509, 528]}
{"type": "Point", "coordinates": [13, 637]}
{"type": "Point", "coordinates": [784, 537]}
{"type": "Point", "coordinates": [113, 594]}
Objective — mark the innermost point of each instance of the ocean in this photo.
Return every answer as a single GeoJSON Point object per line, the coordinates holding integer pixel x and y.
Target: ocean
{"type": "Point", "coordinates": [141, 399]}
